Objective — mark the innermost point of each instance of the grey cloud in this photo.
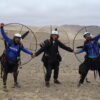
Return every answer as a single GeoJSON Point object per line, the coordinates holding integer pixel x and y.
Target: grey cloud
{"type": "Point", "coordinates": [42, 12]}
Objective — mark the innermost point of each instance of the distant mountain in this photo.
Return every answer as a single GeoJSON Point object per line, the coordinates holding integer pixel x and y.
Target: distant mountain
{"type": "Point", "coordinates": [72, 30]}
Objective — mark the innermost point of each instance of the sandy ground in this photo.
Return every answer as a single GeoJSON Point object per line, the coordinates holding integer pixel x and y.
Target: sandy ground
{"type": "Point", "coordinates": [31, 79]}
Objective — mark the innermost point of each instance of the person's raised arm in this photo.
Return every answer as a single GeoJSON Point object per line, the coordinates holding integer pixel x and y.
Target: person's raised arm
{"type": "Point", "coordinates": [25, 34]}
{"type": "Point", "coordinates": [97, 37]}
{"type": "Point", "coordinates": [7, 39]}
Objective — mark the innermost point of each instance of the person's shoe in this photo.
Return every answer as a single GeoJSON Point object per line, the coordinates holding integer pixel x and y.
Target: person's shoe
{"type": "Point", "coordinates": [79, 84]}
{"type": "Point", "coordinates": [57, 82]}
{"type": "Point", "coordinates": [87, 81]}
{"type": "Point", "coordinates": [47, 84]}
{"type": "Point", "coordinates": [16, 85]}
{"type": "Point", "coordinates": [5, 88]}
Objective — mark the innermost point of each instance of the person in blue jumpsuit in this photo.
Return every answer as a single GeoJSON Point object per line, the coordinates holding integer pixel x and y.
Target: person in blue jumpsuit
{"type": "Point", "coordinates": [22, 37]}
{"type": "Point", "coordinates": [12, 52]}
{"type": "Point", "coordinates": [92, 59]}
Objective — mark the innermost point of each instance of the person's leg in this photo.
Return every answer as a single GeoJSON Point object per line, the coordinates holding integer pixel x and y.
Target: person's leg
{"type": "Point", "coordinates": [83, 76]}
{"type": "Point", "coordinates": [5, 74]}
{"type": "Point", "coordinates": [1, 71]}
{"type": "Point", "coordinates": [15, 75]}
{"type": "Point", "coordinates": [99, 72]}
{"type": "Point", "coordinates": [56, 73]}
{"type": "Point", "coordinates": [48, 75]}
{"type": "Point", "coordinates": [98, 66]}
{"type": "Point", "coordinates": [83, 70]}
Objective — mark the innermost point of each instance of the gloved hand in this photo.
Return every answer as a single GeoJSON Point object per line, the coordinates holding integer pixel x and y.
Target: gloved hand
{"type": "Point", "coordinates": [2, 25]}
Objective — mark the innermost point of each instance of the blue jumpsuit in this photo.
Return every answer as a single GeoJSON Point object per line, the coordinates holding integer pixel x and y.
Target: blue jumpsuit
{"type": "Point", "coordinates": [12, 52]}
{"type": "Point", "coordinates": [10, 60]}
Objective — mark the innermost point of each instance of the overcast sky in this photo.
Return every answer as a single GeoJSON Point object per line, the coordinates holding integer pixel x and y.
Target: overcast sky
{"type": "Point", "coordinates": [50, 12]}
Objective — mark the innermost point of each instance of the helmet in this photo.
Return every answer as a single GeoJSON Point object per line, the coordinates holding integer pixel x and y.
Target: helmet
{"type": "Point", "coordinates": [17, 35]}
{"type": "Point", "coordinates": [86, 33]}
{"type": "Point", "coordinates": [55, 32]}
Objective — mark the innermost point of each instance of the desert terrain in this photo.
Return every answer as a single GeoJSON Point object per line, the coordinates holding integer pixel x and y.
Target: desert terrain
{"type": "Point", "coordinates": [31, 76]}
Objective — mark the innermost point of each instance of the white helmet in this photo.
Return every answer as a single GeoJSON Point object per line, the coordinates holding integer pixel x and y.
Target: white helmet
{"type": "Point", "coordinates": [85, 33]}
{"type": "Point", "coordinates": [55, 32]}
{"type": "Point", "coordinates": [17, 35]}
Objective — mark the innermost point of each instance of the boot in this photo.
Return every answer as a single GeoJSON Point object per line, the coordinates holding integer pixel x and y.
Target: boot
{"type": "Point", "coordinates": [5, 88]}
{"type": "Point", "coordinates": [87, 81]}
{"type": "Point", "coordinates": [79, 84]}
{"type": "Point", "coordinates": [57, 82]}
{"type": "Point", "coordinates": [17, 85]}
{"type": "Point", "coordinates": [47, 84]}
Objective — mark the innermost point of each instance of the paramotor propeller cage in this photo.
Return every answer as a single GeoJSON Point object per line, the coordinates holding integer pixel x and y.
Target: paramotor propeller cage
{"type": "Point", "coordinates": [29, 42]}
{"type": "Point", "coordinates": [79, 39]}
